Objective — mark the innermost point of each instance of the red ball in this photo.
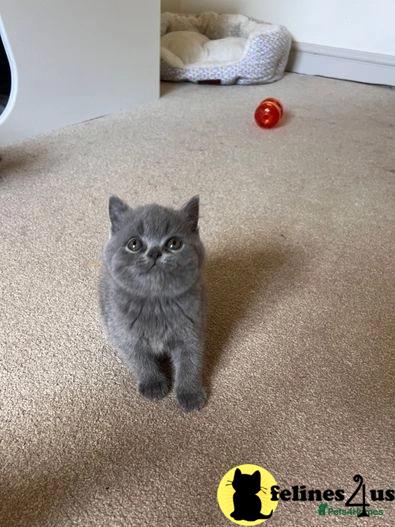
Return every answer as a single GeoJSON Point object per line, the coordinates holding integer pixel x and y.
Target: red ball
{"type": "Point", "coordinates": [268, 113]}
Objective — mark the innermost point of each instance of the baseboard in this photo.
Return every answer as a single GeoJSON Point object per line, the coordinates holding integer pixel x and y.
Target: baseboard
{"type": "Point", "coordinates": [341, 63]}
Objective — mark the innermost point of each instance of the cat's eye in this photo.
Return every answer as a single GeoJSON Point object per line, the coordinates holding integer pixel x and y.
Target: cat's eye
{"type": "Point", "coordinates": [134, 245]}
{"type": "Point", "coordinates": [174, 244]}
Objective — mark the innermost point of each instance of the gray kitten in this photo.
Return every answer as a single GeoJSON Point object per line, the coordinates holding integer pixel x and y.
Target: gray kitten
{"type": "Point", "coordinates": [152, 296]}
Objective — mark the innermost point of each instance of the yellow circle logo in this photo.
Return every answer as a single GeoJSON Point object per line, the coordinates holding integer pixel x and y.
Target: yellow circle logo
{"type": "Point", "coordinates": [244, 495]}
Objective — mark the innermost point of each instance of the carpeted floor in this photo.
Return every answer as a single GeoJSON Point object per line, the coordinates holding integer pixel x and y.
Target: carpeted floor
{"type": "Point", "coordinates": [298, 226]}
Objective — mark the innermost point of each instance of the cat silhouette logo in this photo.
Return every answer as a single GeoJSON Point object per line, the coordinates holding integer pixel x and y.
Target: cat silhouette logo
{"type": "Point", "coordinates": [244, 495]}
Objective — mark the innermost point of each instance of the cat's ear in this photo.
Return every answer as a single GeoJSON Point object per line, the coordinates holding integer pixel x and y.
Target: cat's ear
{"type": "Point", "coordinates": [191, 211]}
{"type": "Point", "coordinates": [257, 476]}
{"type": "Point", "coordinates": [237, 473]}
{"type": "Point", "coordinates": [117, 210]}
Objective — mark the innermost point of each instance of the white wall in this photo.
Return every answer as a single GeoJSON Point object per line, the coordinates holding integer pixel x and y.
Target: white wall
{"type": "Point", "coordinates": [75, 60]}
{"type": "Point", "coordinates": [366, 25]}
{"type": "Point", "coordinates": [171, 5]}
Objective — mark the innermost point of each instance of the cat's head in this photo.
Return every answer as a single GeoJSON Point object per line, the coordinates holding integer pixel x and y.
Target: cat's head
{"type": "Point", "coordinates": [247, 483]}
{"type": "Point", "coordinates": [154, 250]}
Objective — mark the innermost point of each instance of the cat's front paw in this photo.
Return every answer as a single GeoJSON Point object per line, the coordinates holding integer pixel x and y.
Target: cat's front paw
{"type": "Point", "coordinates": [154, 389]}
{"type": "Point", "coordinates": [191, 400]}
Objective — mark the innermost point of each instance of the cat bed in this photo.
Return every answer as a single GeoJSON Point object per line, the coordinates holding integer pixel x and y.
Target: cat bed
{"type": "Point", "coordinates": [228, 49]}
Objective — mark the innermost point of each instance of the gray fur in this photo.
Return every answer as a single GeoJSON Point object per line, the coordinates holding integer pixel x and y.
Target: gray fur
{"type": "Point", "coordinates": [152, 300]}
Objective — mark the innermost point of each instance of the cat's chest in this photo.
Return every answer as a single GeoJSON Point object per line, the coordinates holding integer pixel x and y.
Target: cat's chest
{"type": "Point", "coordinates": [159, 322]}
{"type": "Point", "coordinates": [158, 313]}
{"type": "Point", "coordinates": [153, 319]}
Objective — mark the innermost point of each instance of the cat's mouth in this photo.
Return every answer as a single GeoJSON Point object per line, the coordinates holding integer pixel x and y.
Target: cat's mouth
{"type": "Point", "coordinates": [151, 267]}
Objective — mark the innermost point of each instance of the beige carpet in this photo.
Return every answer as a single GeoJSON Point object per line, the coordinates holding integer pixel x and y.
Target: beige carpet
{"type": "Point", "coordinates": [298, 225]}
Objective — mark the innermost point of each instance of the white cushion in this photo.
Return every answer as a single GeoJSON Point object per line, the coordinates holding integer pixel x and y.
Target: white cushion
{"type": "Point", "coordinates": [231, 49]}
{"type": "Point", "coordinates": [184, 48]}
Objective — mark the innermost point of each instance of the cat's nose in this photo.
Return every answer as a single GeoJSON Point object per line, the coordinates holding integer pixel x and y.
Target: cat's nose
{"type": "Point", "coordinates": [154, 253]}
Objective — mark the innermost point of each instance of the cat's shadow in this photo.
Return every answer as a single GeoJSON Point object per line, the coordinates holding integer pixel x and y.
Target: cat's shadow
{"type": "Point", "coordinates": [234, 282]}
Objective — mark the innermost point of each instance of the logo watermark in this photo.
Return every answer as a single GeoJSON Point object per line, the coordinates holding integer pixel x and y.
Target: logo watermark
{"type": "Point", "coordinates": [324, 509]}
{"type": "Point", "coordinates": [249, 494]}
